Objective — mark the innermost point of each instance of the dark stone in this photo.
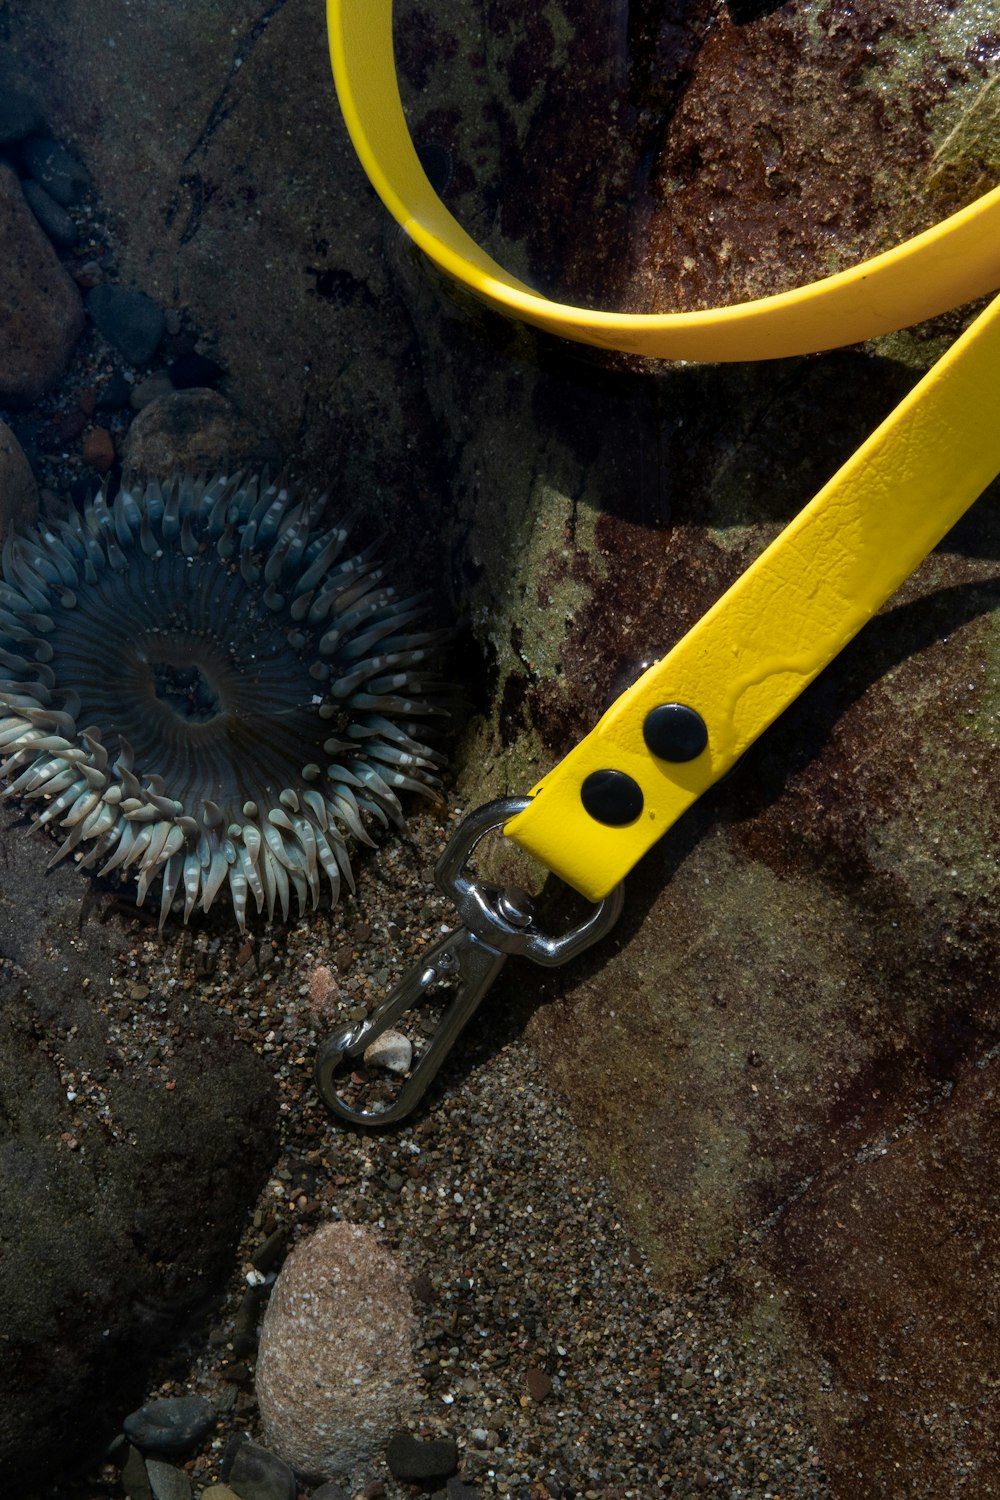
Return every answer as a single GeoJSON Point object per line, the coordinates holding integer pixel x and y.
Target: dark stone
{"type": "Point", "coordinates": [272, 1251]}
{"type": "Point", "coordinates": [246, 1320]}
{"type": "Point", "coordinates": [20, 114]}
{"type": "Point", "coordinates": [190, 370]}
{"type": "Point", "coordinates": [166, 1482]}
{"type": "Point", "coordinates": [51, 215]}
{"type": "Point", "coordinates": [56, 169]}
{"type": "Point", "coordinates": [115, 394]}
{"type": "Point", "coordinates": [131, 322]}
{"type": "Point", "coordinates": [459, 1489]}
{"type": "Point", "coordinates": [256, 1474]}
{"type": "Point", "coordinates": [330, 1491]}
{"type": "Point", "coordinates": [116, 1242]}
{"type": "Point", "coordinates": [134, 1479]}
{"type": "Point", "coordinates": [173, 1426]}
{"type": "Point", "coordinates": [410, 1458]}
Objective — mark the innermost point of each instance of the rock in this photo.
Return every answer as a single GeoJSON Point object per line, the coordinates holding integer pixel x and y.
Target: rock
{"type": "Point", "coordinates": [41, 315]}
{"type": "Point", "coordinates": [151, 389]}
{"type": "Point", "coordinates": [131, 322]}
{"type": "Point", "coordinates": [166, 1482]}
{"type": "Point", "coordinates": [172, 1426]}
{"type": "Point", "coordinates": [20, 113]}
{"type": "Point", "coordinates": [392, 1051]}
{"type": "Point", "coordinates": [410, 1458]}
{"type": "Point", "coordinates": [51, 215]}
{"type": "Point", "coordinates": [146, 1210]}
{"type": "Point", "coordinates": [18, 489]}
{"type": "Point", "coordinates": [539, 1383]}
{"type": "Point", "coordinates": [219, 1492]}
{"type": "Point", "coordinates": [194, 432]}
{"type": "Point", "coordinates": [56, 169]}
{"type": "Point", "coordinates": [99, 449]}
{"type": "Point", "coordinates": [330, 1491]}
{"type": "Point", "coordinates": [336, 1367]}
{"type": "Point", "coordinates": [134, 1479]}
{"type": "Point", "coordinates": [257, 1474]}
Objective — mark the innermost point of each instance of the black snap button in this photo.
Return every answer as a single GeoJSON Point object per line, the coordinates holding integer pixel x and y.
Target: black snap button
{"type": "Point", "coordinates": [611, 797]}
{"type": "Point", "coordinates": [675, 732]}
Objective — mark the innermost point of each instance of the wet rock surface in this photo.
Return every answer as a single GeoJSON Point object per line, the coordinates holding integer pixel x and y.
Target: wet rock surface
{"type": "Point", "coordinates": [784, 1057]}
{"type": "Point", "coordinates": [123, 1177]}
{"type": "Point", "coordinates": [41, 315]}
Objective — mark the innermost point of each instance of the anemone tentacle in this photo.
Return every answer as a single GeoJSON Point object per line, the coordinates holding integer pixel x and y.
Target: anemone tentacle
{"type": "Point", "coordinates": [199, 683]}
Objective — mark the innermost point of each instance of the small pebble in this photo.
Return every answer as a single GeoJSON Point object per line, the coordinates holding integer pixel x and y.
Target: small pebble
{"type": "Point", "coordinates": [539, 1384]}
{"type": "Point", "coordinates": [56, 169]}
{"type": "Point", "coordinates": [392, 1051]}
{"type": "Point", "coordinates": [410, 1458]}
{"type": "Point", "coordinates": [258, 1475]}
{"type": "Point", "coordinates": [131, 322]}
{"type": "Point", "coordinates": [99, 449]}
{"type": "Point", "coordinates": [172, 1426]}
{"type": "Point", "coordinates": [166, 1482]}
{"type": "Point", "coordinates": [150, 390]}
{"type": "Point", "coordinates": [135, 1480]}
{"type": "Point", "coordinates": [51, 215]}
{"type": "Point", "coordinates": [20, 114]}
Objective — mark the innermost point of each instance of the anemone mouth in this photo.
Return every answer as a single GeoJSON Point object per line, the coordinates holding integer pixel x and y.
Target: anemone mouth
{"type": "Point", "coordinates": [200, 685]}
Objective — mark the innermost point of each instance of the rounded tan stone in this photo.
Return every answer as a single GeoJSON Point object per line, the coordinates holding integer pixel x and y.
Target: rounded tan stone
{"type": "Point", "coordinates": [194, 432]}
{"type": "Point", "coordinates": [336, 1367]}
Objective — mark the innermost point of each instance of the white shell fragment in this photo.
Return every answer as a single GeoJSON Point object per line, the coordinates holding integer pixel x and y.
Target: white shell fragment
{"type": "Point", "coordinates": [392, 1051]}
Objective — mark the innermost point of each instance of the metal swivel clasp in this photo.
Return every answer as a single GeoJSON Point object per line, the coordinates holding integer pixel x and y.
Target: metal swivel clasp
{"type": "Point", "coordinates": [496, 922]}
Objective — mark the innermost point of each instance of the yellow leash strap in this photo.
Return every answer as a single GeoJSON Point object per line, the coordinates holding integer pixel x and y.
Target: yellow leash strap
{"type": "Point", "coordinates": [952, 263]}
{"type": "Point", "coordinates": [687, 719]}
{"type": "Point", "coordinates": [776, 628]}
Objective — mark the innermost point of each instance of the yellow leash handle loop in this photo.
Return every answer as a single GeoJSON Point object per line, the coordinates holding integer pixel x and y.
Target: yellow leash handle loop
{"type": "Point", "coordinates": [692, 715]}
{"type": "Point", "coordinates": [954, 262]}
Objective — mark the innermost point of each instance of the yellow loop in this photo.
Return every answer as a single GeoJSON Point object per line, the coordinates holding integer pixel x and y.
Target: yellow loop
{"type": "Point", "coordinates": [954, 262]}
{"type": "Point", "coordinates": [838, 561]}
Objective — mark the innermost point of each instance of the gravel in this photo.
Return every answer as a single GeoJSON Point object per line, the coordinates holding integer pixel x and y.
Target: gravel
{"type": "Point", "coordinates": [546, 1351]}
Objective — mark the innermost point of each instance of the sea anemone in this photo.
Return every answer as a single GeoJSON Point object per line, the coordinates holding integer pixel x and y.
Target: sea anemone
{"type": "Point", "coordinates": [249, 690]}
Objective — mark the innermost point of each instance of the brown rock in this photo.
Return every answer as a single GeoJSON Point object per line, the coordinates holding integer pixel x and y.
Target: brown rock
{"type": "Point", "coordinates": [324, 993]}
{"type": "Point", "coordinates": [99, 449]}
{"type": "Point", "coordinates": [194, 432]}
{"type": "Point", "coordinates": [336, 1368]}
{"type": "Point", "coordinates": [41, 315]}
{"type": "Point", "coordinates": [18, 490]}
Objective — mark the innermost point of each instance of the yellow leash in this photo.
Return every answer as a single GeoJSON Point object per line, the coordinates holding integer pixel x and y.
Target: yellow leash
{"type": "Point", "coordinates": [689, 717]}
{"type": "Point", "coordinates": [954, 262]}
